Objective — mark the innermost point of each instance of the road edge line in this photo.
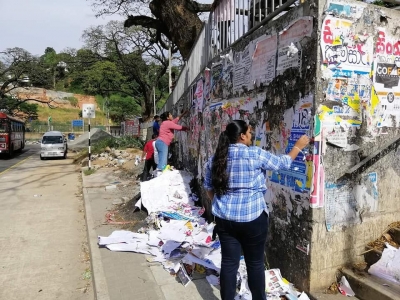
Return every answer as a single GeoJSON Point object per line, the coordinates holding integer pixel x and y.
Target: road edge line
{"type": "Point", "coordinates": [100, 288]}
{"type": "Point", "coordinates": [18, 163]}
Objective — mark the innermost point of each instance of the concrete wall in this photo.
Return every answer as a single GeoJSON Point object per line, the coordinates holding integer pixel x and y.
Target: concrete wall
{"type": "Point", "coordinates": [321, 69]}
{"type": "Point", "coordinates": [267, 79]}
{"type": "Point", "coordinates": [356, 117]}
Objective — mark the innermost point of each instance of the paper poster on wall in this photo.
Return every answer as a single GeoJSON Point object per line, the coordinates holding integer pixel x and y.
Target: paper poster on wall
{"type": "Point", "coordinates": [387, 73]}
{"type": "Point", "coordinates": [301, 123]}
{"type": "Point", "coordinates": [216, 82]}
{"type": "Point", "coordinates": [340, 205]}
{"type": "Point", "coordinates": [350, 94]}
{"type": "Point", "coordinates": [227, 79]}
{"type": "Point", "coordinates": [300, 173]}
{"type": "Point", "coordinates": [366, 192]}
{"type": "Point", "coordinates": [289, 51]}
{"type": "Point", "coordinates": [242, 68]}
{"type": "Point", "coordinates": [263, 61]}
{"type": "Point", "coordinates": [199, 95]}
{"type": "Point", "coordinates": [207, 84]}
{"type": "Point", "coordinates": [345, 9]}
{"type": "Point", "coordinates": [289, 57]}
{"type": "Point", "coordinates": [194, 133]}
{"type": "Point", "coordinates": [342, 51]}
{"type": "Point", "coordinates": [193, 98]}
{"type": "Point", "coordinates": [318, 172]}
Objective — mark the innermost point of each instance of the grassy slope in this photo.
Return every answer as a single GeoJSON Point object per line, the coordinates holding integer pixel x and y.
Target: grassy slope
{"type": "Point", "coordinates": [64, 115]}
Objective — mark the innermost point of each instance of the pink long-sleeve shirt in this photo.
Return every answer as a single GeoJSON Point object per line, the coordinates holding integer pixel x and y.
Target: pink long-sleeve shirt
{"type": "Point", "coordinates": [167, 130]}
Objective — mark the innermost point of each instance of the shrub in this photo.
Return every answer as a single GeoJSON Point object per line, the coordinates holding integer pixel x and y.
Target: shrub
{"type": "Point", "coordinates": [72, 100]}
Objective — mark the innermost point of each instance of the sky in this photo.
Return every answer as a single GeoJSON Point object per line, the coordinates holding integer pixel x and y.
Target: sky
{"type": "Point", "coordinates": [36, 24]}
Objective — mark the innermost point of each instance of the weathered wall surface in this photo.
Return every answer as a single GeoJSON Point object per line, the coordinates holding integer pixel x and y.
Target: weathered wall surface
{"type": "Point", "coordinates": [357, 113]}
{"type": "Point", "coordinates": [267, 79]}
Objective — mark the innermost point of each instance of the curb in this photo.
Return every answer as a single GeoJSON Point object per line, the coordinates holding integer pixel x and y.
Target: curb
{"type": "Point", "coordinates": [100, 288]}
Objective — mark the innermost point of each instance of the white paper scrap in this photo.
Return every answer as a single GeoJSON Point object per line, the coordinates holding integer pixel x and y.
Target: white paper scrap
{"type": "Point", "coordinates": [212, 279]}
{"type": "Point", "coordinates": [189, 259]}
{"type": "Point", "coordinates": [168, 247]}
{"type": "Point", "coordinates": [121, 236]}
{"type": "Point", "coordinates": [139, 246]}
{"type": "Point", "coordinates": [345, 288]}
{"type": "Point", "coordinates": [388, 267]}
{"type": "Point", "coordinates": [175, 230]}
{"type": "Point", "coordinates": [303, 296]}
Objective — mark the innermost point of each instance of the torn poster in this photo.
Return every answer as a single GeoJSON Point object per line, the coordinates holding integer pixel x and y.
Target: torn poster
{"type": "Point", "coordinates": [340, 205]}
{"type": "Point", "coordinates": [241, 74]}
{"type": "Point", "coordinates": [263, 61]}
{"type": "Point", "coordinates": [387, 74]}
{"type": "Point", "coordinates": [366, 193]}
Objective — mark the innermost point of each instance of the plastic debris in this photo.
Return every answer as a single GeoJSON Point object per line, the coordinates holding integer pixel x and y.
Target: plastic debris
{"type": "Point", "coordinates": [292, 50]}
{"type": "Point", "coordinates": [388, 266]}
{"type": "Point", "coordinates": [345, 288]}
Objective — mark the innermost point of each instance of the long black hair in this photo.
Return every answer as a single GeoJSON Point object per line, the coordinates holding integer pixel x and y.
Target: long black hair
{"type": "Point", "coordinates": [164, 116]}
{"type": "Point", "coordinates": [219, 174]}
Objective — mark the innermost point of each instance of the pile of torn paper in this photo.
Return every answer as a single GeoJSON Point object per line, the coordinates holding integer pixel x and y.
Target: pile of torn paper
{"type": "Point", "coordinates": [388, 266]}
{"type": "Point", "coordinates": [180, 239]}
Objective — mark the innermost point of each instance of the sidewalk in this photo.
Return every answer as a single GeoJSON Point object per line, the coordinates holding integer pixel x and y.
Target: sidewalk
{"type": "Point", "coordinates": [127, 275]}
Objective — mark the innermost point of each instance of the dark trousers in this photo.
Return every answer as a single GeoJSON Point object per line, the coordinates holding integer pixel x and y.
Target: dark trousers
{"type": "Point", "coordinates": [148, 164]}
{"type": "Point", "coordinates": [249, 237]}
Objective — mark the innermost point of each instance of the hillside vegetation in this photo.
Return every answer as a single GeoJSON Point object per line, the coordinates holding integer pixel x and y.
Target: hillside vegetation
{"type": "Point", "coordinates": [64, 115]}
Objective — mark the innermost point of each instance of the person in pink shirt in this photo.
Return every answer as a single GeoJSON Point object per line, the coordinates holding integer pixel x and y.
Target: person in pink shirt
{"type": "Point", "coordinates": [166, 135]}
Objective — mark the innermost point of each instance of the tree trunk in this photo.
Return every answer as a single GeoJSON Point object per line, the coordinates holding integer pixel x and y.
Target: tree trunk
{"type": "Point", "coordinates": [147, 106]}
{"type": "Point", "coordinates": [181, 23]}
{"type": "Point", "coordinates": [54, 79]}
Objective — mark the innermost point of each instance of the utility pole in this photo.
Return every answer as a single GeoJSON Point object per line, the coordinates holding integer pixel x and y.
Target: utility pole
{"type": "Point", "coordinates": [170, 68]}
{"type": "Point", "coordinates": [154, 99]}
{"type": "Point", "coordinates": [107, 114]}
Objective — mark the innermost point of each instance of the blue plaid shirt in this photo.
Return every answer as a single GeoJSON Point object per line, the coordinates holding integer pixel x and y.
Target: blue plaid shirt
{"type": "Point", "coordinates": [244, 200]}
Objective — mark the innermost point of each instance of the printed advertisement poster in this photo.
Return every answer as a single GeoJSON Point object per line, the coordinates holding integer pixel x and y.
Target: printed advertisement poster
{"type": "Point", "coordinates": [366, 192]}
{"type": "Point", "coordinates": [289, 51]}
{"type": "Point", "coordinates": [227, 79]}
{"type": "Point", "coordinates": [289, 57]}
{"type": "Point", "coordinates": [343, 8]}
{"type": "Point", "coordinates": [216, 82]}
{"type": "Point", "coordinates": [263, 61]}
{"type": "Point", "coordinates": [340, 205]}
{"type": "Point", "coordinates": [300, 174]}
{"type": "Point", "coordinates": [199, 95]}
{"type": "Point", "coordinates": [349, 93]}
{"type": "Point", "coordinates": [242, 67]}
{"type": "Point", "coordinates": [387, 73]}
{"type": "Point", "coordinates": [342, 52]}
{"type": "Point", "coordinates": [207, 84]}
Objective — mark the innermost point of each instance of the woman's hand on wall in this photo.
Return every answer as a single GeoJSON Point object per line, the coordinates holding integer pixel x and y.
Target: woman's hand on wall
{"type": "Point", "coordinates": [302, 142]}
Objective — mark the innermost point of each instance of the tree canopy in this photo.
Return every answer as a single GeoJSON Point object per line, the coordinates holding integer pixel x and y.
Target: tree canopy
{"type": "Point", "coordinates": [176, 21]}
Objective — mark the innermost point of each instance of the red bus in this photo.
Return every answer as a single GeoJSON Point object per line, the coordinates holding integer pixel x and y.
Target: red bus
{"type": "Point", "coordinates": [12, 134]}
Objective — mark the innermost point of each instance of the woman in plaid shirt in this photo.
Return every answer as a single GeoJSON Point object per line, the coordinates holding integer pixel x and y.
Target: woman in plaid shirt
{"type": "Point", "coordinates": [235, 181]}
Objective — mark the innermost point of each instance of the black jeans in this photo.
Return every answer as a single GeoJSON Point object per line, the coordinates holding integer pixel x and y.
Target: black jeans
{"type": "Point", "coordinates": [148, 164]}
{"type": "Point", "coordinates": [249, 237]}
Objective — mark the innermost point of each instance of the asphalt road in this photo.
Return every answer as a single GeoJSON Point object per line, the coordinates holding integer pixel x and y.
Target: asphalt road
{"type": "Point", "coordinates": [43, 243]}
{"type": "Point", "coordinates": [6, 163]}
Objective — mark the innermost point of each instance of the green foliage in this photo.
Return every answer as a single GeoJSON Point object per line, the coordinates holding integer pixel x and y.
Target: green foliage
{"type": "Point", "coordinates": [102, 77]}
{"type": "Point", "coordinates": [119, 107]}
{"type": "Point", "coordinates": [88, 172]}
{"type": "Point", "coordinates": [384, 4]}
{"type": "Point", "coordinates": [117, 143]}
{"type": "Point", "coordinates": [18, 108]}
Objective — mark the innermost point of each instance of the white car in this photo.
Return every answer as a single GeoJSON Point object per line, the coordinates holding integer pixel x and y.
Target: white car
{"type": "Point", "coordinates": [53, 144]}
